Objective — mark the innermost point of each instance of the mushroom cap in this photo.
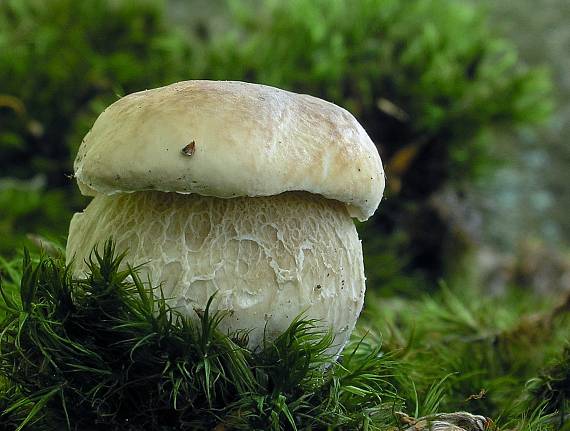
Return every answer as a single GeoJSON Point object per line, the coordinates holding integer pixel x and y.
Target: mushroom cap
{"type": "Point", "coordinates": [228, 139]}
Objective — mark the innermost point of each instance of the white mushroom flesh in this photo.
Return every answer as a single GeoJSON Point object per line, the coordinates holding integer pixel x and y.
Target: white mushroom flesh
{"type": "Point", "coordinates": [268, 258]}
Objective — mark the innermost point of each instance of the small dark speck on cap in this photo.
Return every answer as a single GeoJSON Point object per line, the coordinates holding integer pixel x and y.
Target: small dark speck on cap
{"type": "Point", "coordinates": [189, 149]}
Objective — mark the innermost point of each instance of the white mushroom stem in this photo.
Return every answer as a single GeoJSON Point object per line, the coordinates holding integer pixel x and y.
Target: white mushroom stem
{"type": "Point", "coordinates": [268, 258]}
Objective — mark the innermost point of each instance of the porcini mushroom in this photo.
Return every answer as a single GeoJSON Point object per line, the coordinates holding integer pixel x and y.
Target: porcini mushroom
{"type": "Point", "coordinates": [236, 188]}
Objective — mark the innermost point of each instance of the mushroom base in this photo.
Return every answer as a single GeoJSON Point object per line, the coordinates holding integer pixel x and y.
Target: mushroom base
{"type": "Point", "coordinates": [268, 258]}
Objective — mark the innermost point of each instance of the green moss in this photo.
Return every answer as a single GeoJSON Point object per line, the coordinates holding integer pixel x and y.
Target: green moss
{"type": "Point", "coordinates": [427, 78]}
{"type": "Point", "coordinates": [103, 352]}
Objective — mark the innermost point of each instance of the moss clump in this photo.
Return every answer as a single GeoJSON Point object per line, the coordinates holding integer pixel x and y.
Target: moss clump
{"type": "Point", "coordinates": [104, 352]}
{"type": "Point", "coordinates": [108, 352]}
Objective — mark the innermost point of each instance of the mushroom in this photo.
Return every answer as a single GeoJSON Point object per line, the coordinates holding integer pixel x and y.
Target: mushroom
{"type": "Point", "coordinates": [243, 190]}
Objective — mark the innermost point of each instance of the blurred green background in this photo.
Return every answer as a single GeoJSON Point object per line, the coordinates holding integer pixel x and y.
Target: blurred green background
{"type": "Point", "coordinates": [467, 102]}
